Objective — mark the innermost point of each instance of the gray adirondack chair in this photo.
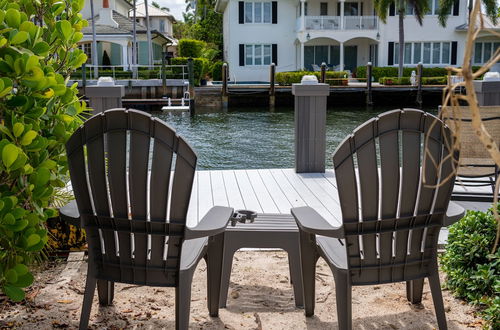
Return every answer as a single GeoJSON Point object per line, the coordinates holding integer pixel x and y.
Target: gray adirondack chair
{"type": "Point", "coordinates": [133, 208]}
{"type": "Point", "coordinates": [391, 220]}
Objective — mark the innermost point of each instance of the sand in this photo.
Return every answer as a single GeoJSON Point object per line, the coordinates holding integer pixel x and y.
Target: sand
{"type": "Point", "coordinates": [260, 297]}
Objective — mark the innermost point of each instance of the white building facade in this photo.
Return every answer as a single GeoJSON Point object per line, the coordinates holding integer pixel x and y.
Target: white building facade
{"type": "Point", "coordinates": [298, 34]}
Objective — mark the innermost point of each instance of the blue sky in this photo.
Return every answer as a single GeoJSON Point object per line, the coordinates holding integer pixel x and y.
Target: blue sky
{"type": "Point", "coordinates": [176, 7]}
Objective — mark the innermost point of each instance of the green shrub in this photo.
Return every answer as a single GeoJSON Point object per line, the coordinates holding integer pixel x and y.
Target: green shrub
{"type": "Point", "coordinates": [191, 48]}
{"type": "Point", "coordinates": [216, 71]}
{"type": "Point", "coordinates": [200, 66]}
{"type": "Point", "coordinates": [391, 71]}
{"type": "Point", "coordinates": [36, 120]}
{"type": "Point", "coordinates": [473, 273]}
{"type": "Point", "coordinates": [334, 78]}
{"type": "Point", "coordinates": [406, 81]}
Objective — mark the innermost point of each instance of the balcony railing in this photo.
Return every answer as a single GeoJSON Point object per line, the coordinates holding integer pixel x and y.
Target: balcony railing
{"type": "Point", "coordinates": [334, 23]}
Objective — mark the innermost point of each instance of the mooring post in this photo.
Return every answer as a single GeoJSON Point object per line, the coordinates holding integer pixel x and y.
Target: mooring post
{"type": "Point", "coordinates": [322, 78]}
{"type": "Point", "coordinates": [163, 74]}
{"type": "Point", "coordinates": [191, 85]}
{"type": "Point", "coordinates": [420, 71]}
{"type": "Point", "coordinates": [272, 91]}
{"type": "Point", "coordinates": [105, 95]}
{"type": "Point", "coordinates": [224, 87]}
{"type": "Point", "coordinates": [369, 100]}
{"type": "Point", "coordinates": [310, 124]}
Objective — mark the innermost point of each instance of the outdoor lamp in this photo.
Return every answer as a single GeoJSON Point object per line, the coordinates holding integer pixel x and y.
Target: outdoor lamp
{"type": "Point", "coordinates": [308, 37]}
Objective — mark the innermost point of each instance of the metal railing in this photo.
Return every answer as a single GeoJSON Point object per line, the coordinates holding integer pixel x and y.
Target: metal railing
{"type": "Point", "coordinates": [127, 72]}
{"type": "Point", "coordinates": [334, 23]}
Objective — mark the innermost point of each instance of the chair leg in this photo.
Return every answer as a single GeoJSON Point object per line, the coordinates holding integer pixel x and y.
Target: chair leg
{"type": "Point", "coordinates": [183, 299]}
{"type": "Point", "coordinates": [106, 292]}
{"type": "Point", "coordinates": [308, 259]}
{"type": "Point", "coordinates": [437, 298]}
{"type": "Point", "coordinates": [414, 290]}
{"type": "Point", "coordinates": [227, 263]}
{"type": "Point", "coordinates": [214, 273]}
{"type": "Point", "coordinates": [296, 275]}
{"type": "Point", "coordinates": [344, 300]}
{"type": "Point", "coordinates": [87, 301]}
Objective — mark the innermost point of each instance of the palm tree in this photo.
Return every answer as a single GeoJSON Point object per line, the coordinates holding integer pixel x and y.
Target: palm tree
{"type": "Point", "coordinates": [491, 7]}
{"type": "Point", "coordinates": [94, 42]}
{"type": "Point", "coordinates": [148, 35]}
{"type": "Point", "coordinates": [420, 7]}
{"type": "Point", "coordinates": [157, 5]}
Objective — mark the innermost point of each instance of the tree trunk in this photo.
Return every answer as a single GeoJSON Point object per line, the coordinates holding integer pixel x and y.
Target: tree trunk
{"type": "Point", "coordinates": [134, 43]}
{"type": "Point", "coordinates": [148, 36]}
{"type": "Point", "coordinates": [95, 60]}
{"type": "Point", "coordinates": [401, 40]}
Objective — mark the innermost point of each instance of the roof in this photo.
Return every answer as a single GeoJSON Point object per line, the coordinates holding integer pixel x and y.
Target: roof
{"type": "Point", "coordinates": [220, 5]}
{"type": "Point", "coordinates": [125, 26]}
{"type": "Point", "coordinates": [152, 11]}
{"type": "Point", "coordinates": [488, 24]}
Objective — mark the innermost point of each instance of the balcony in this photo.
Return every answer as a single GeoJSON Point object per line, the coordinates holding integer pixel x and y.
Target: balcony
{"type": "Point", "coordinates": [319, 23]}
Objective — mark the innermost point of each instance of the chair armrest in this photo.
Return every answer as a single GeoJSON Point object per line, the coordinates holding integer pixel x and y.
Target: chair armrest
{"type": "Point", "coordinates": [70, 214]}
{"type": "Point", "coordinates": [312, 222]}
{"type": "Point", "coordinates": [213, 223]}
{"type": "Point", "coordinates": [454, 213]}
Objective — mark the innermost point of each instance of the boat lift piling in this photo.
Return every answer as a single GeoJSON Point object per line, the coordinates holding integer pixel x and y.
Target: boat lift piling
{"type": "Point", "coordinates": [419, 84]}
{"type": "Point", "coordinates": [191, 85]}
{"type": "Point", "coordinates": [369, 98]}
{"type": "Point", "coordinates": [322, 77]}
{"type": "Point", "coordinates": [272, 90]}
{"type": "Point", "coordinates": [224, 87]}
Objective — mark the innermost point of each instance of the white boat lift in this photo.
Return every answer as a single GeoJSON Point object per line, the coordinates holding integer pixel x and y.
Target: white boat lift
{"type": "Point", "coordinates": [175, 105]}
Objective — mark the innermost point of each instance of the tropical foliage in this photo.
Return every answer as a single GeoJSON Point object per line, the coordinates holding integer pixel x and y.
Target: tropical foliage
{"type": "Point", "coordinates": [473, 273]}
{"type": "Point", "coordinates": [491, 6]}
{"type": "Point", "coordinates": [38, 113]}
{"type": "Point", "coordinates": [418, 7]}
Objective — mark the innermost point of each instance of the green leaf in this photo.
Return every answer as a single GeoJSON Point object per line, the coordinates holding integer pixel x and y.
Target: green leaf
{"type": "Point", "coordinates": [32, 240]}
{"type": "Point", "coordinates": [9, 219]}
{"type": "Point", "coordinates": [11, 276]}
{"type": "Point", "coordinates": [28, 138]}
{"type": "Point", "coordinates": [65, 29]}
{"type": "Point", "coordinates": [13, 18]}
{"type": "Point", "coordinates": [21, 269]}
{"type": "Point", "coordinates": [24, 280]}
{"type": "Point", "coordinates": [18, 129]}
{"type": "Point", "coordinates": [41, 48]}
{"type": "Point", "coordinates": [18, 226]}
{"type": "Point", "coordinates": [9, 154]}
{"type": "Point", "coordinates": [19, 38]}
{"type": "Point", "coordinates": [42, 176]}
{"type": "Point", "coordinates": [14, 293]}
{"type": "Point", "coordinates": [32, 62]}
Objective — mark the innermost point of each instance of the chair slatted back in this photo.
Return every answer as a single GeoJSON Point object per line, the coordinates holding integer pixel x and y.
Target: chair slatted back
{"type": "Point", "coordinates": [120, 163]}
{"type": "Point", "coordinates": [391, 219]}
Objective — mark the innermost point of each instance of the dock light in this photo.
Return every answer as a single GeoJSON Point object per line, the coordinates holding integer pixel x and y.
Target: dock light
{"type": "Point", "coordinates": [308, 37]}
{"type": "Point", "coordinates": [378, 36]}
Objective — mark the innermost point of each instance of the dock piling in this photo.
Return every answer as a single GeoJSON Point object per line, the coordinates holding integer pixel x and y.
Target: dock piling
{"type": "Point", "coordinates": [224, 87]}
{"type": "Point", "coordinates": [272, 90]}
{"type": "Point", "coordinates": [163, 74]}
{"type": "Point", "coordinates": [191, 85]}
{"type": "Point", "coordinates": [323, 73]}
{"type": "Point", "coordinates": [419, 84]}
{"type": "Point", "coordinates": [369, 100]}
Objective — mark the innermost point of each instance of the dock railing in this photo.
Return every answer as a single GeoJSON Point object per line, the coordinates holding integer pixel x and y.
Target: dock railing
{"type": "Point", "coordinates": [118, 72]}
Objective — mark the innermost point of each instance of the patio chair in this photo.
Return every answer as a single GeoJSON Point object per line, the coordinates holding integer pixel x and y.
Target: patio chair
{"type": "Point", "coordinates": [391, 219]}
{"type": "Point", "coordinates": [316, 67]}
{"type": "Point", "coordinates": [132, 178]}
{"type": "Point", "coordinates": [476, 169]}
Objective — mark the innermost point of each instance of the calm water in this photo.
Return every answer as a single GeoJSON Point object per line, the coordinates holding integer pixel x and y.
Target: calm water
{"type": "Point", "coordinates": [257, 139]}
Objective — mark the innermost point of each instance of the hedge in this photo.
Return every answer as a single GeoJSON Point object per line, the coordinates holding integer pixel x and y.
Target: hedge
{"type": "Point", "coordinates": [294, 77]}
{"type": "Point", "coordinates": [216, 71]}
{"type": "Point", "coordinates": [388, 81]}
{"type": "Point", "coordinates": [191, 48]}
{"type": "Point", "coordinates": [200, 66]}
{"type": "Point", "coordinates": [390, 71]}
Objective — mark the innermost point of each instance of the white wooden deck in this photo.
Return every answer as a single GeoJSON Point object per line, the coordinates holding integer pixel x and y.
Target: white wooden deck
{"type": "Point", "coordinates": [264, 191]}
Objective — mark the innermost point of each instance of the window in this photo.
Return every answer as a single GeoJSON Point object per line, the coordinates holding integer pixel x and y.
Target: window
{"type": "Point", "coordinates": [434, 8]}
{"type": "Point", "coordinates": [484, 50]}
{"type": "Point", "coordinates": [426, 52]}
{"type": "Point", "coordinates": [162, 26]}
{"type": "Point", "coordinates": [87, 49]}
{"type": "Point", "coordinates": [257, 12]}
{"type": "Point", "coordinates": [351, 9]}
{"type": "Point", "coordinates": [257, 54]}
{"type": "Point", "coordinates": [323, 8]}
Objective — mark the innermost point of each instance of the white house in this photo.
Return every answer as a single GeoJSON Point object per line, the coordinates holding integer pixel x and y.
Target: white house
{"type": "Point", "coordinates": [114, 34]}
{"type": "Point", "coordinates": [295, 34]}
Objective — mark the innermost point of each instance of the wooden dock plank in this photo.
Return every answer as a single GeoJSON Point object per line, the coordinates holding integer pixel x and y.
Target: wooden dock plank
{"type": "Point", "coordinates": [233, 191]}
{"type": "Point", "coordinates": [192, 216]}
{"type": "Point", "coordinates": [218, 188]}
{"type": "Point", "coordinates": [291, 194]}
{"type": "Point", "coordinates": [249, 198]}
{"type": "Point", "coordinates": [275, 191]}
{"type": "Point", "coordinates": [265, 199]}
{"type": "Point", "coordinates": [205, 199]}
{"type": "Point", "coordinates": [333, 202]}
